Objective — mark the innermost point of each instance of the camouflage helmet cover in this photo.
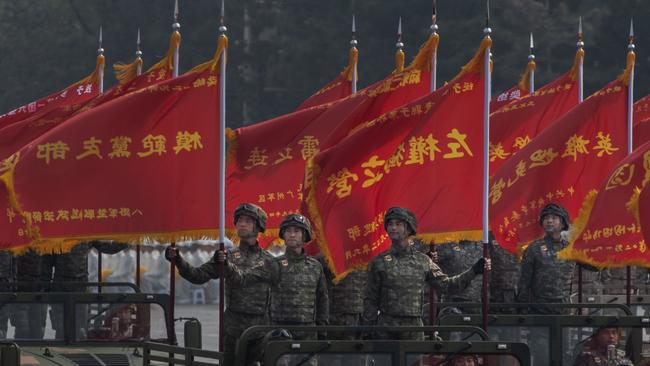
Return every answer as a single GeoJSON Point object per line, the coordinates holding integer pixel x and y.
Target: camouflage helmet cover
{"type": "Point", "coordinates": [298, 221]}
{"type": "Point", "coordinates": [557, 210]}
{"type": "Point", "coordinates": [403, 214]}
{"type": "Point", "coordinates": [254, 211]}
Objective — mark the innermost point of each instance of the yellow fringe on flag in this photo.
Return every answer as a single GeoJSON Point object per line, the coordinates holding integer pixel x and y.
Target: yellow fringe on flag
{"type": "Point", "coordinates": [222, 44]}
{"type": "Point", "coordinates": [453, 236]}
{"type": "Point", "coordinates": [64, 245]}
{"type": "Point", "coordinates": [7, 178]}
{"type": "Point", "coordinates": [578, 226]}
{"type": "Point", "coordinates": [580, 56]}
{"type": "Point", "coordinates": [127, 72]}
{"type": "Point", "coordinates": [399, 61]}
{"type": "Point", "coordinates": [476, 63]}
{"type": "Point", "coordinates": [422, 60]}
{"type": "Point", "coordinates": [524, 82]}
{"type": "Point", "coordinates": [353, 59]}
{"type": "Point", "coordinates": [167, 62]}
{"type": "Point", "coordinates": [629, 66]}
{"type": "Point", "coordinates": [633, 205]}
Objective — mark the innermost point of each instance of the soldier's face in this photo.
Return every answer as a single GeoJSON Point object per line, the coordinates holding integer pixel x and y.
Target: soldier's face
{"type": "Point", "coordinates": [246, 227]}
{"type": "Point", "coordinates": [293, 237]}
{"type": "Point", "coordinates": [552, 223]}
{"type": "Point", "coordinates": [607, 336]}
{"type": "Point", "coordinates": [397, 230]}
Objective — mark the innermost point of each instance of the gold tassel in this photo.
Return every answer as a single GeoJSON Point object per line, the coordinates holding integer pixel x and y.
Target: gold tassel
{"type": "Point", "coordinates": [353, 58]}
{"type": "Point", "coordinates": [629, 66]}
{"type": "Point", "coordinates": [524, 82]}
{"type": "Point", "coordinates": [399, 61]}
{"type": "Point", "coordinates": [476, 63]}
{"type": "Point", "coordinates": [580, 56]}
{"type": "Point", "coordinates": [578, 226]}
{"type": "Point", "coordinates": [167, 62]}
{"type": "Point", "coordinates": [222, 44]}
{"type": "Point", "coordinates": [422, 60]}
{"type": "Point", "coordinates": [127, 72]}
{"type": "Point", "coordinates": [231, 143]}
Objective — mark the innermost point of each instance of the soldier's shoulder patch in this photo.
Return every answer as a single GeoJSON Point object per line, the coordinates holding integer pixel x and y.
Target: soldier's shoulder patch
{"type": "Point", "coordinates": [456, 248]}
{"type": "Point", "coordinates": [543, 248]}
{"type": "Point", "coordinates": [260, 263]}
{"type": "Point", "coordinates": [388, 258]}
{"type": "Point", "coordinates": [284, 262]}
{"type": "Point", "coordinates": [236, 255]}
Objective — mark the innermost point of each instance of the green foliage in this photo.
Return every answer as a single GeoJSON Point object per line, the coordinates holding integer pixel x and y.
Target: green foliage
{"type": "Point", "coordinates": [281, 51]}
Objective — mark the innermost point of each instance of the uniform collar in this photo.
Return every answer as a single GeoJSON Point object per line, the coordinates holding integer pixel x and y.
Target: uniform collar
{"type": "Point", "coordinates": [290, 254]}
{"type": "Point", "coordinates": [399, 251]}
{"type": "Point", "coordinates": [250, 248]}
{"type": "Point", "coordinates": [555, 242]}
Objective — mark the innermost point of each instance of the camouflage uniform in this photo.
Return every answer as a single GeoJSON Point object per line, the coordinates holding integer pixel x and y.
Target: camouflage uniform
{"type": "Point", "coordinates": [298, 289]}
{"type": "Point", "coordinates": [7, 279]}
{"type": "Point", "coordinates": [29, 319]}
{"type": "Point", "coordinates": [614, 280]}
{"type": "Point", "coordinates": [455, 258]}
{"type": "Point", "coordinates": [599, 358]}
{"type": "Point", "coordinates": [396, 282]}
{"type": "Point", "coordinates": [503, 277]}
{"type": "Point", "coordinates": [246, 304]}
{"type": "Point", "coordinates": [345, 298]}
{"type": "Point", "coordinates": [544, 277]}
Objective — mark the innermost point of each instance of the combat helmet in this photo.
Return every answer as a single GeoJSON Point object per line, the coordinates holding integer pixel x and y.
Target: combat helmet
{"type": "Point", "coordinates": [299, 221]}
{"type": "Point", "coordinates": [253, 211]}
{"type": "Point", "coordinates": [402, 214]}
{"type": "Point", "coordinates": [557, 210]}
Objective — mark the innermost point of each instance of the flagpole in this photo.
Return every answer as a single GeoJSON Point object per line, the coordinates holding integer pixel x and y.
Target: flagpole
{"type": "Point", "coordinates": [172, 264]}
{"type": "Point", "coordinates": [222, 175]}
{"type": "Point", "coordinates": [100, 54]}
{"type": "Point", "coordinates": [353, 48]}
{"type": "Point", "coordinates": [630, 122]}
{"type": "Point", "coordinates": [138, 72]}
{"type": "Point", "coordinates": [531, 62]}
{"type": "Point", "coordinates": [434, 55]}
{"type": "Point", "coordinates": [486, 162]}
{"type": "Point", "coordinates": [580, 44]}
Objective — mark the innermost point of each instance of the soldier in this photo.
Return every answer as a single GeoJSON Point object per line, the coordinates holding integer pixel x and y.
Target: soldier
{"type": "Point", "coordinates": [397, 278]}
{"type": "Point", "coordinates": [29, 319]}
{"type": "Point", "coordinates": [246, 304]}
{"type": "Point", "coordinates": [545, 278]}
{"type": "Point", "coordinates": [7, 279]}
{"type": "Point", "coordinates": [601, 350]}
{"type": "Point", "coordinates": [73, 267]}
{"type": "Point", "coordinates": [298, 285]}
{"type": "Point", "coordinates": [504, 276]}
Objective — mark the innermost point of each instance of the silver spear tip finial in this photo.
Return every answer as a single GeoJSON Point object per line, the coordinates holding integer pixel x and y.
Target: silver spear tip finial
{"type": "Point", "coordinates": [222, 18]}
{"type": "Point", "coordinates": [531, 56]}
{"type": "Point", "coordinates": [631, 28]}
{"type": "Point", "coordinates": [353, 42]}
{"type": "Point", "coordinates": [138, 52]}
{"type": "Point", "coordinates": [399, 43]}
{"type": "Point", "coordinates": [580, 43]}
{"type": "Point", "coordinates": [100, 50]}
{"type": "Point", "coordinates": [487, 30]}
{"type": "Point", "coordinates": [630, 45]}
{"type": "Point", "coordinates": [176, 26]}
{"type": "Point", "coordinates": [434, 17]}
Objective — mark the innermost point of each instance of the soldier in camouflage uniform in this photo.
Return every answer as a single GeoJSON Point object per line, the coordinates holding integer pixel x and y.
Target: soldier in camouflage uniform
{"type": "Point", "coordinates": [7, 279]}
{"type": "Point", "coordinates": [298, 285]}
{"type": "Point", "coordinates": [246, 304]}
{"type": "Point", "coordinates": [397, 279]}
{"type": "Point", "coordinates": [29, 319]}
{"type": "Point", "coordinates": [73, 267]}
{"type": "Point", "coordinates": [601, 350]}
{"type": "Point", "coordinates": [503, 277]}
{"type": "Point", "coordinates": [545, 278]}
{"type": "Point", "coordinates": [345, 298]}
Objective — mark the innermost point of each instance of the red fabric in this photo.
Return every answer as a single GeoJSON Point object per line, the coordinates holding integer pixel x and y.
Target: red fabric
{"type": "Point", "coordinates": [336, 89]}
{"type": "Point", "coordinates": [549, 170]}
{"type": "Point", "coordinates": [514, 93]}
{"type": "Point", "coordinates": [612, 237]}
{"type": "Point", "coordinates": [69, 97]}
{"type": "Point", "coordinates": [269, 161]}
{"type": "Point", "coordinates": [641, 116]}
{"type": "Point", "coordinates": [419, 156]}
{"type": "Point", "coordinates": [516, 124]}
{"type": "Point", "coordinates": [153, 187]}
{"type": "Point", "coordinates": [644, 212]}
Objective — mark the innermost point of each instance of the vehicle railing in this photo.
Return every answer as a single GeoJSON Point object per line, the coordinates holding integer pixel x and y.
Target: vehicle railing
{"type": "Point", "coordinates": [175, 355]}
{"type": "Point", "coordinates": [554, 323]}
{"type": "Point", "coordinates": [70, 300]}
{"type": "Point", "coordinates": [53, 284]}
{"type": "Point", "coordinates": [532, 306]}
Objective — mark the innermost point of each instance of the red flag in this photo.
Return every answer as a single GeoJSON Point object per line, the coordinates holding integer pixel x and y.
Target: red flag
{"type": "Point", "coordinates": [606, 233]}
{"type": "Point", "coordinates": [418, 157]}
{"type": "Point", "coordinates": [644, 211]}
{"type": "Point", "coordinates": [516, 124]}
{"type": "Point", "coordinates": [561, 165]}
{"type": "Point", "coordinates": [268, 159]}
{"type": "Point", "coordinates": [75, 94]}
{"type": "Point", "coordinates": [641, 121]}
{"type": "Point", "coordinates": [516, 92]}
{"type": "Point", "coordinates": [338, 88]}
{"type": "Point", "coordinates": [121, 169]}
